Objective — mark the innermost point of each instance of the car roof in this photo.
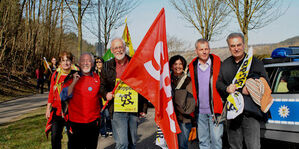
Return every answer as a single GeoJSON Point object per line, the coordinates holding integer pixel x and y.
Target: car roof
{"type": "Point", "coordinates": [282, 64]}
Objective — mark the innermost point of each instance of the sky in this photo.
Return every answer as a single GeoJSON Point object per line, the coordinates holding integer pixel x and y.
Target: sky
{"type": "Point", "coordinates": [141, 18]}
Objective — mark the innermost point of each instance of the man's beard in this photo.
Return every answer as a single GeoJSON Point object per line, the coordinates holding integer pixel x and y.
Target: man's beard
{"type": "Point", "coordinates": [86, 70]}
{"type": "Point", "coordinates": [119, 57]}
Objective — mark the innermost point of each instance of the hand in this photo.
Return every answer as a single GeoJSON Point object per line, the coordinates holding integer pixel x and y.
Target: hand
{"type": "Point", "coordinates": [231, 88]}
{"type": "Point", "coordinates": [76, 77]}
{"type": "Point", "coordinates": [245, 91]}
{"type": "Point", "coordinates": [142, 114]}
{"type": "Point", "coordinates": [48, 111]}
{"type": "Point", "coordinates": [109, 96]}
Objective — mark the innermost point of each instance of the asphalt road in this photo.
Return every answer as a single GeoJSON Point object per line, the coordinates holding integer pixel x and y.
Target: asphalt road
{"type": "Point", "coordinates": [12, 109]}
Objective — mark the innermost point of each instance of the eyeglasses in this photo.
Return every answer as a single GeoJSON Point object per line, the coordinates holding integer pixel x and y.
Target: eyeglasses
{"type": "Point", "coordinates": [98, 62]}
{"type": "Point", "coordinates": [118, 48]}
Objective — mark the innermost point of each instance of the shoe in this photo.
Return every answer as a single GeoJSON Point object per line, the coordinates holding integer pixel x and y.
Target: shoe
{"type": "Point", "coordinates": [109, 134]}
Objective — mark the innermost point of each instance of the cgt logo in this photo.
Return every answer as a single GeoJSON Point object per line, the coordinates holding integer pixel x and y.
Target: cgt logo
{"type": "Point", "coordinates": [164, 78]}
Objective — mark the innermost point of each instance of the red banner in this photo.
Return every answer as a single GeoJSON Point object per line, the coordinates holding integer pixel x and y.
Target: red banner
{"type": "Point", "coordinates": [148, 74]}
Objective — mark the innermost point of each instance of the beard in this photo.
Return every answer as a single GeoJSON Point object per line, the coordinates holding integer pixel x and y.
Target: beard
{"type": "Point", "coordinates": [86, 70]}
{"type": "Point", "coordinates": [119, 57]}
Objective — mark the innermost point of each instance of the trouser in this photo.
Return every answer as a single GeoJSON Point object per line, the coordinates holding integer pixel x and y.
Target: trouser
{"type": "Point", "coordinates": [56, 131]}
{"type": "Point", "coordinates": [84, 135]}
{"type": "Point", "coordinates": [184, 135]}
{"type": "Point", "coordinates": [124, 127]}
{"type": "Point", "coordinates": [40, 85]}
{"type": "Point", "coordinates": [209, 134]}
{"type": "Point", "coordinates": [244, 127]}
{"type": "Point", "coordinates": [105, 122]}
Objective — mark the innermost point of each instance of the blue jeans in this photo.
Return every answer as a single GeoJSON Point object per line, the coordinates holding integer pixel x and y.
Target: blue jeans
{"type": "Point", "coordinates": [209, 135]}
{"type": "Point", "coordinates": [184, 135]}
{"type": "Point", "coordinates": [124, 127]}
{"type": "Point", "coordinates": [244, 127]}
{"type": "Point", "coordinates": [105, 122]}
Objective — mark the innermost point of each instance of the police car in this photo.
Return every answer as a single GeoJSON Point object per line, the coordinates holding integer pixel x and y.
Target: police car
{"type": "Point", "coordinates": [283, 72]}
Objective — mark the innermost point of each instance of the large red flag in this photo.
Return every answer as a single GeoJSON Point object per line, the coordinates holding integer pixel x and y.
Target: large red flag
{"type": "Point", "coordinates": [148, 74]}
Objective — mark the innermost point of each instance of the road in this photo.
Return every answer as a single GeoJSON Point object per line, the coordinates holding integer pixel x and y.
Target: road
{"type": "Point", "coordinates": [12, 109]}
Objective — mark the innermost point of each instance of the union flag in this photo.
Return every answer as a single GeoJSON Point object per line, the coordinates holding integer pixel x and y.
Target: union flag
{"type": "Point", "coordinates": [148, 74]}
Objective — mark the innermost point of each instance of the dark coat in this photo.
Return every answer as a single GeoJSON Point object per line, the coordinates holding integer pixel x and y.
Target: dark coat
{"type": "Point", "coordinates": [108, 78]}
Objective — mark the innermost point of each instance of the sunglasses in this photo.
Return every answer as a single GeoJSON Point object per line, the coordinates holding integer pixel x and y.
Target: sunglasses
{"type": "Point", "coordinates": [98, 62]}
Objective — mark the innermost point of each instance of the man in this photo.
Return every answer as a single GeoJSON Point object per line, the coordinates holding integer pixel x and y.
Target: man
{"type": "Point", "coordinates": [124, 124]}
{"type": "Point", "coordinates": [83, 105]}
{"type": "Point", "coordinates": [204, 70]}
{"type": "Point", "coordinates": [246, 126]}
{"type": "Point", "coordinates": [39, 72]}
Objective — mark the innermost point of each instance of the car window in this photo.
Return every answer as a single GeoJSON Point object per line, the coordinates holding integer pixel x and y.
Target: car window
{"type": "Point", "coordinates": [287, 80]}
{"type": "Point", "coordinates": [271, 74]}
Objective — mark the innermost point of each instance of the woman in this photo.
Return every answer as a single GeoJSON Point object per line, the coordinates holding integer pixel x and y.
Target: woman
{"type": "Point", "coordinates": [55, 122]}
{"type": "Point", "coordinates": [99, 61]}
{"type": "Point", "coordinates": [105, 127]}
{"type": "Point", "coordinates": [184, 104]}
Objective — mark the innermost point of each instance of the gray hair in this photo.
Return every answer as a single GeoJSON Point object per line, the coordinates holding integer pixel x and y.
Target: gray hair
{"type": "Point", "coordinates": [235, 35]}
{"type": "Point", "coordinates": [120, 39]}
{"type": "Point", "coordinates": [91, 56]}
{"type": "Point", "coordinates": [201, 40]}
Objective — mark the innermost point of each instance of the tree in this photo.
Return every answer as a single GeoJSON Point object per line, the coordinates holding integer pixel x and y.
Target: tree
{"type": "Point", "coordinates": [78, 18]}
{"type": "Point", "coordinates": [208, 17]}
{"type": "Point", "coordinates": [254, 14]}
{"type": "Point", "coordinates": [176, 44]}
{"type": "Point", "coordinates": [112, 16]}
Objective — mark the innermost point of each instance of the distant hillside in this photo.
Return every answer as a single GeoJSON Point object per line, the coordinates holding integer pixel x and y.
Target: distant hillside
{"type": "Point", "coordinates": [260, 50]}
{"type": "Point", "coordinates": [71, 44]}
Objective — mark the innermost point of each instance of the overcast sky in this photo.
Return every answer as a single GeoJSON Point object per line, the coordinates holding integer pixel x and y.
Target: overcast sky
{"type": "Point", "coordinates": [140, 19]}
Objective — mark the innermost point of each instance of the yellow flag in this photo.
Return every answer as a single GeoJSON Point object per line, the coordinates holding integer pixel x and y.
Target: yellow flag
{"type": "Point", "coordinates": [127, 39]}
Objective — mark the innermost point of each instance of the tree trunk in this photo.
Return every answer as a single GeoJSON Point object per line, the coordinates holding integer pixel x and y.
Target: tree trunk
{"type": "Point", "coordinates": [14, 48]}
{"type": "Point", "coordinates": [79, 29]}
{"type": "Point", "coordinates": [61, 26]}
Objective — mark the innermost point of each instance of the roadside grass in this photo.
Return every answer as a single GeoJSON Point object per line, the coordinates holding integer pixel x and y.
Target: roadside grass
{"type": "Point", "coordinates": [27, 132]}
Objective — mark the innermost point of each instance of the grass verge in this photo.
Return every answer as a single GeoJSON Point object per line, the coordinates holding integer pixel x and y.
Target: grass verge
{"type": "Point", "coordinates": [27, 133]}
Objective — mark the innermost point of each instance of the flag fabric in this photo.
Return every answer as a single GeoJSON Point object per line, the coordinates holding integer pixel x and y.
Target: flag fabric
{"type": "Point", "coordinates": [235, 105]}
{"type": "Point", "coordinates": [108, 55]}
{"type": "Point", "coordinates": [127, 39]}
{"type": "Point", "coordinates": [148, 74]}
{"type": "Point", "coordinates": [46, 65]}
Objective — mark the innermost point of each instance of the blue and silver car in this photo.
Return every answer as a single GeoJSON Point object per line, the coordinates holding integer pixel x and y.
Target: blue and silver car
{"type": "Point", "coordinates": [283, 72]}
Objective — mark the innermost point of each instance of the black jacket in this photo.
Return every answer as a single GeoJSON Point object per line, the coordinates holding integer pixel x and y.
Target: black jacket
{"type": "Point", "coordinates": [227, 73]}
{"type": "Point", "coordinates": [108, 78]}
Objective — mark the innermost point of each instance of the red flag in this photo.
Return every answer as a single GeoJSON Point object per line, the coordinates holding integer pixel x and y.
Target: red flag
{"type": "Point", "coordinates": [148, 74]}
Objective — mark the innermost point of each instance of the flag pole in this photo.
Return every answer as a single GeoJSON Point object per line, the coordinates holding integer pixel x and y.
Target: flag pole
{"type": "Point", "coordinates": [112, 94]}
{"type": "Point", "coordinates": [47, 64]}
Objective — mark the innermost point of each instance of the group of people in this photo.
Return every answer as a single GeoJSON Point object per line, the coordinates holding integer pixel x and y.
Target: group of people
{"type": "Point", "coordinates": [210, 83]}
{"type": "Point", "coordinates": [78, 94]}
{"type": "Point", "coordinates": [44, 74]}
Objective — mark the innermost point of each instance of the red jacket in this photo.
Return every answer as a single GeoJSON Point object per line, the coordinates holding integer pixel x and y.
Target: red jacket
{"type": "Point", "coordinates": [54, 96]}
{"type": "Point", "coordinates": [84, 106]}
{"type": "Point", "coordinates": [215, 99]}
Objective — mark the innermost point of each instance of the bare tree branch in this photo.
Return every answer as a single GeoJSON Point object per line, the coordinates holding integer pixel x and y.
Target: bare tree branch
{"type": "Point", "coordinates": [208, 17]}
